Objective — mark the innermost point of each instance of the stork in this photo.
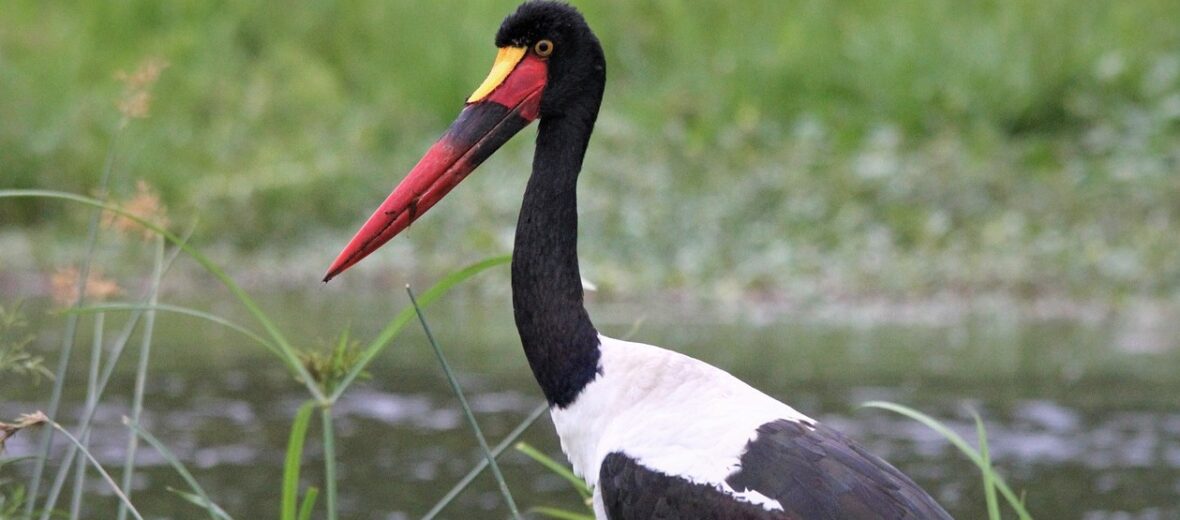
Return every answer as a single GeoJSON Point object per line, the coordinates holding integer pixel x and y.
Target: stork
{"type": "Point", "coordinates": [657, 434]}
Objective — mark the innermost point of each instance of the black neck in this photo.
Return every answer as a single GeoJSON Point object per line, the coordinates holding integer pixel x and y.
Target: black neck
{"type": "Point", "coordinates": [560, 342]}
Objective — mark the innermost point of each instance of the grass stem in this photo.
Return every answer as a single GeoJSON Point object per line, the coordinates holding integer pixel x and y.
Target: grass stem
{"type": "Point", "coordinates": [215, 512]}
{"type": "Point", "coordinates": [91, 400]}
{"type": "Point", "coordinates": [294, 460]}
{"type": "Point", "coordinates": [308, 504]}
{"type": "Point", "coordinates": [105, 476]}
{"type": "Point", "coordinates": [116, 353]}
{"type": "Point", "coordinates": [483, 463]}
{"type": "Point", "coordinates": [329, 461]}
{"type": "Point", "coordinates": [394, 327]}
{"type": "Point", "coordinates": [1016, 502]}
{"type": "Point", "coordinates": [286, 350]}
{"type": "Point", "coordinates": [556, 468]}
{"type": "Point", "coordinates": [70, 335]}
{"type": "Point", "coordinates": [145, 348]}
{"type": "Point", "coordinates": [176, 309]}
{"type": "Point", "coordinates": [989, 474]}
{"type": "Point", "coordinates": [483, 443]}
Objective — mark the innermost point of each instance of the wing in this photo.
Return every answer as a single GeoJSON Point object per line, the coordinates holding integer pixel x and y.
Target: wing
{"type": "Point", "coordinates": [814, 474]}
{"type": "Point", "coordinates": [818, 473]}
{"type": "Point", "coordinates": [631, 491]}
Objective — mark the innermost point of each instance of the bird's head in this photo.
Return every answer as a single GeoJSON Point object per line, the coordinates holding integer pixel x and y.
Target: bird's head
{"type": "Point", "coordinates": [548, 65]}
{"type": "Point", "coordinates": [556, 33]}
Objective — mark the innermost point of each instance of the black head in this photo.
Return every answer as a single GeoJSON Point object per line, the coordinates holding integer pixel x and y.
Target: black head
{"type": "Point", "coordinates": [577, 68]}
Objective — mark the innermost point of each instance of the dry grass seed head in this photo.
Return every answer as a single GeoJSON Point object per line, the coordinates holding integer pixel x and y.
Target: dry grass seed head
{"type": "Point", "coordinates": [136, 101]}
{"type": "Point", "coordinates": [146, 204]}
{"type": "Point", "coordinates": [7, 431]}
{"type": "Point", "coordinates": [65, 286]}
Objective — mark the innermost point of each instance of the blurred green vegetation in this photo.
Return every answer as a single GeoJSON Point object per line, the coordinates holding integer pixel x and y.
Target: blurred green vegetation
{"type": "Point", "coordinates": [818, 147]}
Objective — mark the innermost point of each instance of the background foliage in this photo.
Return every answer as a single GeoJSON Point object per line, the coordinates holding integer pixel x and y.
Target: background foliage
{"type": "Point", "coordinates": [817, 147]}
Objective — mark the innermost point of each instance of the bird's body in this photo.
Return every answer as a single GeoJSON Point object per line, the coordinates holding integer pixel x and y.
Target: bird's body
{"type": "Point", "coordinates": [662, 435]}
{"type": "Point", "coordinates": [659, 435]}
{"type": "Point", "coordinates": [637, 407]}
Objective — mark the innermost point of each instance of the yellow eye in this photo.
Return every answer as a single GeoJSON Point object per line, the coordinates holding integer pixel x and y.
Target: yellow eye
{"type": "Point", "coordinates": [543, 48]}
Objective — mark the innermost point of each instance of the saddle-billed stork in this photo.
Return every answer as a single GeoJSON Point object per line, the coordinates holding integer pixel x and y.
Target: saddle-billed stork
{"type": "Point", "coordinates": [657, 434]}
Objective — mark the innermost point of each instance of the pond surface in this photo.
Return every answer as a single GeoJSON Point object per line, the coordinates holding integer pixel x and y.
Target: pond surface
{"type": "Point", "coordinates": [1084, 428]}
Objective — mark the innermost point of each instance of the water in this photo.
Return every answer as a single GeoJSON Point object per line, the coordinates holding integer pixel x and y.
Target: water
{"type": "Point", "coordinates": [1086, 429]}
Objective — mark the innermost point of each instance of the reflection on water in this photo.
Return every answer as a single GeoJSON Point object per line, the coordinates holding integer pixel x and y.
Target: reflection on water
{"type": "Point", "coordinates": [1086, 430]}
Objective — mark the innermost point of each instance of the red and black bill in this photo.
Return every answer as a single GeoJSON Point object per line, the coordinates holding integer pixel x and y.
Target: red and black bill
{"type": "Point", "coordinates": [507, 101]}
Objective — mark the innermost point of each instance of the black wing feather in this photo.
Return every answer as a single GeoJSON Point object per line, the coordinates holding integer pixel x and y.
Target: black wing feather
{"type": "Point", "coordinates": [815, 473]}
{"type": "Point", "coordinates": [818, 473]}
{"type": "Point", "coordinates": [631, 491]}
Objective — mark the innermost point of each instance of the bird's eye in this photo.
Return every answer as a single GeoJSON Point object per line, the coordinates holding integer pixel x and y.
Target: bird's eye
{"type": "Point", "coordinates": [543, 48]}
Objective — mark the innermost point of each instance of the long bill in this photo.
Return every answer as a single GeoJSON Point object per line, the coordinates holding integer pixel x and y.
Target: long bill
{"type": "Point", "coordinates": [507, 101]}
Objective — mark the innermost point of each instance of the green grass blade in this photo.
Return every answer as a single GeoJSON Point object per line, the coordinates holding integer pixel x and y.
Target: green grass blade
{"type": "Point", "coordinates": [287, 351]}
{"type": "Point", "coordinates": [116, 353]}
{"type": "Point", "coordinates": [560, 514]}
{"type": "Point", "coordinates": [98, 467]}
{"type": "Point", "coordinates": [176, 309]}
{"type": "Point", "coordinates": [395, 325]}
{"type": "Point", "coordinates": [455, 387]}
{"type": "Point", "coordinates": [145, 348]}
{"type": "Point", "coordinates": [198, 501]}
{"type": "Point", "coordinates": [931, 423]}
{"type": "Point", "coordinates": [308, 504]}
{"type": "Point", "coordinates": [91, 400]}
{"type": "Point", "coordinates": [214, 511]}
{"type": "Point", "coordinates": [13, 460]}
{"type": "Point", "coordinates": [12, 500]}
{"type": "Point", "coordinates": [1014, 501]}
{"type": "Point", "coordinates": [329, 461]}
{"type": "Point", "coordinates": [557, 468]}
{"type": "Point", "coordinates": [59, 381]}
{"type": "Point", "coordinates": [67, 341]}
{"type": "Point", "coordinates": [295, 459]}
{"type": "Point", "coordinates": [989, 475]}
{"type": "Point", "coordinates": [483, 463]}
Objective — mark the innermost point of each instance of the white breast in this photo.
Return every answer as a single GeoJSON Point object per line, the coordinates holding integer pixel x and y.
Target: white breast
{"type": "Point", "coordinates": [670, 412]}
